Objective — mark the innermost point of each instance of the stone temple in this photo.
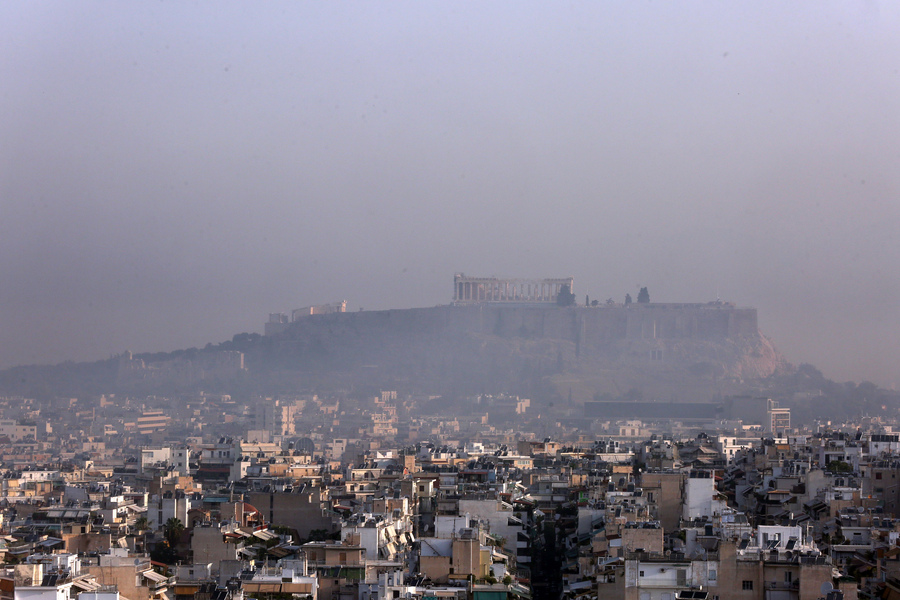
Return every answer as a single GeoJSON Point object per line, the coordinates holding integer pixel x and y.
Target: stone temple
{"type": "Point", "coordinates": [469, 290]}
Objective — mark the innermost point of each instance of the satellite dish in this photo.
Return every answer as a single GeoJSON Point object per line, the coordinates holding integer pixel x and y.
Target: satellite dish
{"type": "Point", "coordinates": [826, 588]}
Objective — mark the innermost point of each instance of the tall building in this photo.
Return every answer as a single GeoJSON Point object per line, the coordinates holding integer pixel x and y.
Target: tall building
{"type": "Point", "coordinates": [276, 416]}
{"type": "Point", "coordinates": [779, 419]}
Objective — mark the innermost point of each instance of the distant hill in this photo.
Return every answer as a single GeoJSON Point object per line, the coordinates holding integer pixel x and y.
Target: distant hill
{"type": "Point", "coordinates": [688, 352]}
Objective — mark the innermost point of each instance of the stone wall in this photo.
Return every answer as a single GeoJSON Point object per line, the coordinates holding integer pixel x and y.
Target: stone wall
{"type": "Point", "coordinates": [591, 326]}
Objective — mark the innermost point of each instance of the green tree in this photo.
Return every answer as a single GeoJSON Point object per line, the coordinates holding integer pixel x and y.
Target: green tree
{"type": "Point", "coordinates": [163, 554]}
{"type": "Point", "coordinates": [643, 296]}
{"type": "Point", "coordinates": [141, 525]}
{"type": "Point", "coordinates": [565, 296]}
{"type": "Point", "coordinates": [172, 531]}
{"type": "Point", "coordinates": [839, 466]}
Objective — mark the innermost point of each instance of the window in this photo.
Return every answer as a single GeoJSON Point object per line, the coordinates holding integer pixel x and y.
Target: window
{"type": "Point", "coordinates": [712, 575]}
{"type": "Point", "coordinates": [746, 585]}
{"type": "Point", "coordinates": [640, 573]}
{"type": "Point", "coordinates": [788, 577]}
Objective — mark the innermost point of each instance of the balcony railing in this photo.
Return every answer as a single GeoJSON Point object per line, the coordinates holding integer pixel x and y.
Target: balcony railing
{"type": "Point", "coordinates": [668, 556]}
{"type": "Point", "coordinates": [783, 585]}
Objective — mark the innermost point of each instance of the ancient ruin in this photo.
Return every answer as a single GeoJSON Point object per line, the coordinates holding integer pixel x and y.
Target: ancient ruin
{"type": "Point", "coordinates": [470, 290]}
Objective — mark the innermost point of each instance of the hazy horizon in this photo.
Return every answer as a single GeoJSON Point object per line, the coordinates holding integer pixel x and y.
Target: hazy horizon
{"type": "Point", "coordinates": [170, 173]}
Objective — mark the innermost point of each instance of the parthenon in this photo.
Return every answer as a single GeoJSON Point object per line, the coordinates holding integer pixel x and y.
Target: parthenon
{"type": "Point", "coordinates": [470, 290]}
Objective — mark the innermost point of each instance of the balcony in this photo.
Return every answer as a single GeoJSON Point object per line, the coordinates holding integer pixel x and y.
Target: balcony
{"type": "Point", "coordinates": [783, 585]}
{"type": "Point", "coordinates": [668, 557]}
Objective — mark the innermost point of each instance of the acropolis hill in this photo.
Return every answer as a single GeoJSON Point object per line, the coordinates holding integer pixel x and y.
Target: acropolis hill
{"type": "Point", "coordinates": [511, 335]}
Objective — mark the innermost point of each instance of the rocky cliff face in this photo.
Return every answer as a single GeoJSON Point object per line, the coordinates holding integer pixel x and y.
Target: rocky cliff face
{"type": "Point", "coordinates": [683, 352]}
{"type": "Point", "coordinates": [683, 370]}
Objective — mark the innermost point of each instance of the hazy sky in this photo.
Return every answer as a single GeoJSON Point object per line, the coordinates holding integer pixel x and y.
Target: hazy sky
{"type": "Point", "coordinates": [171, 172]}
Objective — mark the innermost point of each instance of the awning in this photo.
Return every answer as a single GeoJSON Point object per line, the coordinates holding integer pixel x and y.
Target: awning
{"type": "Point", "coordinates": [154, 576]}
{"type": "Point", "coordinates": [86, 585]}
